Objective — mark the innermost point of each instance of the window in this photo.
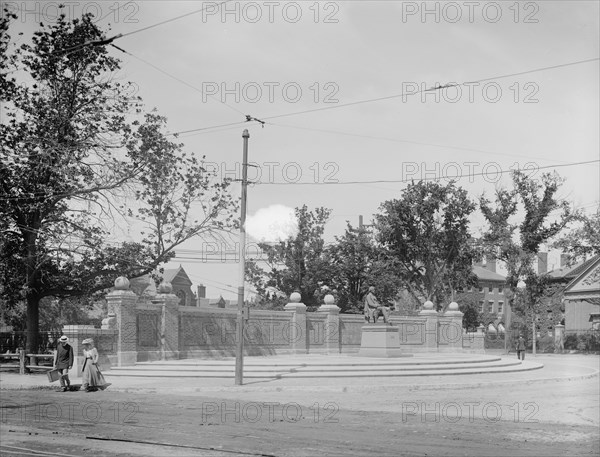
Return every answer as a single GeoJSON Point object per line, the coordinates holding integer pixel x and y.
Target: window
{"type": "Point", "coordinates": [481, 289]}
{"type": "Point", "coordinates": [500, 307]}
{"type": "Point", "coordinates": [490, 289]}
{"type": "Point", "coordinates": [481, 306]}
{"type": "Point", "coordinates": [490, 306]}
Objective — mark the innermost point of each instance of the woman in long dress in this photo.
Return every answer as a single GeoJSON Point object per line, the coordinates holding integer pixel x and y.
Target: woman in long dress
{"type": "Point", "coordinates": [92, 378]}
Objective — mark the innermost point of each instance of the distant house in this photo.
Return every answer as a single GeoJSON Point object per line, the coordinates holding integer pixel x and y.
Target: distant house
{"type": "Point", "coordinates": [565, 274]}
{"type": "Point", "coordinates": [491, 295]}
{"type": "Point", "coordinates": [182, 285]}
{"type": "Point", "coordinates": [491, 285]}
{"type": "Point", "coordinates": [220, 302]}
{"type": "Point", "coordinates": [582, 298]}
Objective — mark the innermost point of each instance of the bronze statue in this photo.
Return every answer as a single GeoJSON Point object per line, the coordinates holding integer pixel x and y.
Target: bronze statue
{"type": "Point", "coordinates": [373, 309]}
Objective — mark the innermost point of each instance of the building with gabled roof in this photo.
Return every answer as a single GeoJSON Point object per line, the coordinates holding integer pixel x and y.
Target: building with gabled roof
{"type": "Point", "coordinates": [582, 298]}
{"type": "Point", "coordinates": [182, 285]}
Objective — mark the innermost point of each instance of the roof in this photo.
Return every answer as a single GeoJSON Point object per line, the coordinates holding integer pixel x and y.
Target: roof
{"type": "Point", "coordinates": [483, 274]}
{"type": "Point", "coordinates": [145, 284]}
{"type": "Point", "coordinates": [569, 272]}
{"type": "Point", "coordinates": [587, 283]}
{"type": "Point", "coordinates": [172, 273]}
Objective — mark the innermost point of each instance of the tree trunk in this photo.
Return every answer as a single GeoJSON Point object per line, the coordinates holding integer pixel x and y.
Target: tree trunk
{"type": "Point", "coordinates": [534, 330]}
{"type": "Point", "coordinates": [33, 324]}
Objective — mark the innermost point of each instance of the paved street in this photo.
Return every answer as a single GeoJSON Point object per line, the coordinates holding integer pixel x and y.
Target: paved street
{"type": "Point", "coordinates": [552, 411]}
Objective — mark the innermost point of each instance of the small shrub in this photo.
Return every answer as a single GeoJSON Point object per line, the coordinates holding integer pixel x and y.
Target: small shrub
{"type": "Point", "coordinates": [571, 341]}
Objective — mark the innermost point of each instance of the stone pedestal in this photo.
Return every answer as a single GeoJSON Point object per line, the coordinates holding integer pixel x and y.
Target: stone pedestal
{"type": "Point", "coordinates": [451, 330]}
{"type": "Point", "coordinates": [559, 340]}
{"type": "Point", "coordinates": [430, 333]}
{"type": "Point", "coordinates": [169, 322]}
{"type": "Point", "coordinates": [331, 326]}
{"type": "Point", "coordinates": [380, 340]}
{"type": "Point", "coordinates": [297, 335]}
{"type": "Point", "coordinates": [121, 303]}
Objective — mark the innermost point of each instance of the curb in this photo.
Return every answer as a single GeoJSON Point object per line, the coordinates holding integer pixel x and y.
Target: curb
{"type": "Point", "coordinates": [320, 388]}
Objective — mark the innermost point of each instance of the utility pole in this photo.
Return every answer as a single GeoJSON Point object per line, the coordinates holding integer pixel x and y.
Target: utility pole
{"type": "Point", "coordinates": [362, 225]}
{"type": "Point", "coordinates": [507, 326]}
{"type": "Point", "coordinates": [239, 353]}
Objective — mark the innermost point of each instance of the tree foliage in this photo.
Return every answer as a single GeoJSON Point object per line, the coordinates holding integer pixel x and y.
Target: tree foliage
{"type": "Point", "coordinates": [584, 240]}
{"type": "Point", "coordinates": [79, 157]}
{"type": "Point", "coordinates": [296, 264]}
{"type": "Point", "coordinates": [469, 305]}
{"type": "Point", "coordinates": [426, 232]}
{"type": "Point", "coordinates": [359, 263]}
{"type": "Point", "coordinates": [520, 221]}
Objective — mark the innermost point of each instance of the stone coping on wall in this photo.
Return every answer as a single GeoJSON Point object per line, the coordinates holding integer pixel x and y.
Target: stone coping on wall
{"type": "Point", "coordinates": [231, 311]}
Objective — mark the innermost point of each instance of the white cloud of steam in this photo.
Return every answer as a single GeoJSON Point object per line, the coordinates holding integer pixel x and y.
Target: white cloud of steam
{"type": "Point", "coordinates": [273, 223]}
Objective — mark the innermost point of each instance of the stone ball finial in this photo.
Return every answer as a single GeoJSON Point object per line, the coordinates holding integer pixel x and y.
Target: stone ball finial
{"type": "Point", "coordinates": [295, 297]}
{"type": "Point", "coordinates": [329, 299]}
{"type": "Point", "coordinates": [121, 283]}
{"type": "Point", "coordinates": [453, 306]}
{"type": "Point", "coordinates": [428, 305]}
{"type": "Point", "coordinates": [165, 287]}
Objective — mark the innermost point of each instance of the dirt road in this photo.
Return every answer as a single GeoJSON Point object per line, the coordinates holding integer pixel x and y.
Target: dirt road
{"type": "Point", "coordinates": [519, 419]}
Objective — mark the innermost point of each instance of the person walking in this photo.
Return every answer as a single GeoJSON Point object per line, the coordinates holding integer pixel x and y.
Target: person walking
{"type": "Point", "coordinates": [521, 348]}
{"type": "Point", "coordinates": [63, 361]}
{"type": "Point", "coordinates": [92, 378]}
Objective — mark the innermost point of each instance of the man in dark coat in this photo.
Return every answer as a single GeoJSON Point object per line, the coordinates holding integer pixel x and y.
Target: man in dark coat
{"type": "Point", "coordinates": [63, 361]}
{"type": "Point", "coordinates": [521, 348]}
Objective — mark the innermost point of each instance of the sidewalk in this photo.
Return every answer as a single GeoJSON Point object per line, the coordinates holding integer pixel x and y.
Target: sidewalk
{"type": "Point", "coordinates": [556, 368]}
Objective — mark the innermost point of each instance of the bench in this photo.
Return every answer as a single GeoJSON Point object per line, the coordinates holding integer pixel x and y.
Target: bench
{"type": "Point", "coordinates": [22, 357]}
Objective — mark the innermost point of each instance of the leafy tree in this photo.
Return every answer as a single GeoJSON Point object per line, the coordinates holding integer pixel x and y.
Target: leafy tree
{"type": "Point", "coordinates": [78, 158]}
{"type": "Point", "coordinates": [426, 233]}
{"type": "Point", "coordinates": [296, 264]}
{"type": "Point", "coordinates": [584, 240]}
{"type": "Point", "coordinates": [359, 263]}
{"type": "Point", "coordinates": [469, 305]}
{"type": "Point", "coordinates": [519, 223]}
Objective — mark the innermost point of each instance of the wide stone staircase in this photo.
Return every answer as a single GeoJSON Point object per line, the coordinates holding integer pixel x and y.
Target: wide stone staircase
{"type": "Point", "coordinates": [328, 366]}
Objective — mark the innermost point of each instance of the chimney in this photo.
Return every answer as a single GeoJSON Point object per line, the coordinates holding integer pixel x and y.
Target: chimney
{"type": "Point", "coordinates": [564, 259]}
{"type": "Point", "coordinates": [201, 291]}
{"type": "Point", "coordinates": [491, 265]}
{"type": "Point", "coordinates": [542, 263]}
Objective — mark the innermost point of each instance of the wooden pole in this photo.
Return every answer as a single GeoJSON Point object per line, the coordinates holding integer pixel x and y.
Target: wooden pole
{"type": "Point", "coordinates": [239, 353]}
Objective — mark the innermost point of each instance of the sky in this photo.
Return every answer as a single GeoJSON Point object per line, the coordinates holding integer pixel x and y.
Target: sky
{"type": "Point", "coordinates": [342, 89]}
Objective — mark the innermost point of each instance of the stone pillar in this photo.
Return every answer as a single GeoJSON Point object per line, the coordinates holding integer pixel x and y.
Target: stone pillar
{"type": "Point", "coordinates": [430, 341]}
{"type": "Point", "coordinates": [169, 322]}
{"type": "Point", "coordinates": [559, 338]}
{"type": "Point", "coordinates": [332, 325]}
{"type": "Point", "coordinates": [121, 303]}
{"type": "Point", "coordinates": [479, 340]}
{"type": "Point", "coordinates": [452, 331]}
{"type": "Point", "coordinates": [298, 333]}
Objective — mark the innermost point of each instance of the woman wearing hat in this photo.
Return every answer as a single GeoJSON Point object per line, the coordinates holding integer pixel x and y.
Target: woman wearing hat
{"type": "Point", "coordinates": [63, 361]}
{"type": "Point", "coordinates": [92, 379]}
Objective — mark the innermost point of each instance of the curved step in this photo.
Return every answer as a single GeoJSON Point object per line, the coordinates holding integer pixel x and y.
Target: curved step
{"type": "Point", "coordinates": [318, 369]}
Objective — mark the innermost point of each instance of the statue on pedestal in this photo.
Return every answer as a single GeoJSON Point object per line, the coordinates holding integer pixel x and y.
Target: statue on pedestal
{"type": "Point", "coordinates": [373, 309]}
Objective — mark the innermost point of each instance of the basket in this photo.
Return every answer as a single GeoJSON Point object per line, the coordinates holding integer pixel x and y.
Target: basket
{"type": "Point", "coordinates": [53, 375]}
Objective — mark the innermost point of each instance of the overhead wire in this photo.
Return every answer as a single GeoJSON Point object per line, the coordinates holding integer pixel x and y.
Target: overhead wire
{"type": "Point", "coordinates": [375, 181]}
{"type": "Point", "coordinates": [435, 178]}
{"type": "Point", "coordinates": [398, 140]}
{"type": "Point", "coordinates": [406, 94]}
{"type": "Point", "coordinates": [178, 79]}
{"type": "Point", "coordinates": [173, 19]}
